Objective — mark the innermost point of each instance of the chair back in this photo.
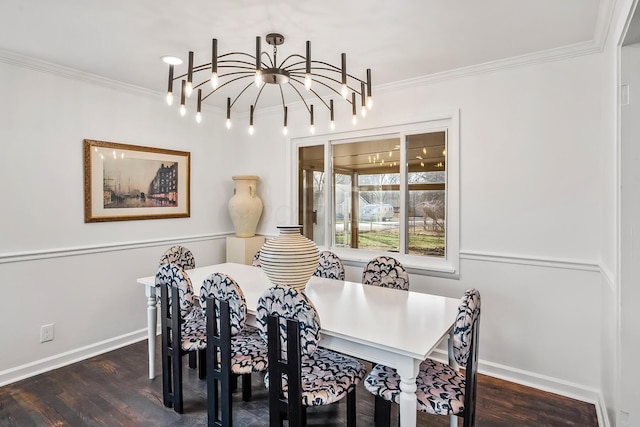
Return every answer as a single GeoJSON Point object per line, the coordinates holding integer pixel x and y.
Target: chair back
{"type": "Point", "coordinates": [171, 276]}
{"type": "Point", "coordinates": [465, 348]}
{"type": "Point", "coordinates": [218, 360]}
{"type": "Point", "coordinates": [221, 287]}
{"type": "Point", "coordinates": [387, 272]}
{"type": "Point", "coordinates": [330, 266]}
{"type": "Point", "coordinates": [180, 256]}
{"type": "Point", "coordinates": [256, 260]}
{"type": "Point", "coordinates": [289, 303]}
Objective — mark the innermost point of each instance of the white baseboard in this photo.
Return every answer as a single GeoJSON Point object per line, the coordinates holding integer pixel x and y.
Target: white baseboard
{"type": "Point", "coordinates": [541, 382]}
{"type": "Point", "coordinates": [63, 359]}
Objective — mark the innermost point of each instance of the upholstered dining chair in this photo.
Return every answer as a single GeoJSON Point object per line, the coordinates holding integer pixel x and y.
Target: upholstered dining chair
{"type": "Point", "coordinates": [387, 272]}
{"type": "Point", "coordinates": [183, 330]}
{"type": "Point", "coordinates": [330, 266]}
{"type": "Point", "coordinates": [256, 260]}
{"type": "Point", "coordinates": [180, 256]}
{"type": "Point", "coordinates": [301, 374]}
{"type": "Point", "coordinates": [441, 389]}
{"type": "Point", "coordinates": [183, 258]}
{"type": "Point", "coordinates": [234, 348]}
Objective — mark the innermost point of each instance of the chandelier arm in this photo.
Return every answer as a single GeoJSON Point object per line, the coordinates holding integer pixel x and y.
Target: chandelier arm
{"type": "Point", "coordinates": [326, 85]}
{"type": "Point", "coordinates": [334, 68]}
{"type": "Point", "coordinates": [293, 55]}
{"type": "Point", "coordinates": [224, 84]}
{"type": "Point", "coordinates": [331, 68]}
{"type": "Point", "coordinates": [282, 96]}
{"type": "Point", "coordinates": [301, 97]}
{"type": "Point", "coordinates": [241, 92]}
{"type": "Point", "coordinates": [246, 74]}
{"type": "Point", "coordinates": [246, 65]}
{"type": "Point", "coordinates": [301, 83]}
{"type": "Point", "coordinates": [269, 57]}
{"type": "Point", "coordinates": [255, 104]}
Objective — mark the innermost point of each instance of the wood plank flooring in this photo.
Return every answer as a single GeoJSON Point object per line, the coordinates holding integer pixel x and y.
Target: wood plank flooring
{"type": "Point", "coordinates": [113, 390]}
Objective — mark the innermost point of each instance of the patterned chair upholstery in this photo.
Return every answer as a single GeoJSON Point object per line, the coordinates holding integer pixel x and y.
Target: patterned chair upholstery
{"type": "Point", "coordinates": [183, 330]}
{"type": "Point", "coordinates": [256, 260]}
{"type": "Point", "coordinates": [180, 256]}
{"type": "Point", "coordinates": [441, 390]}
{"type": "Point", "coordinates": [234, 347]}
{"type": "Point", "coordinates": [330, 266]}
{"type": "Point", "coordinates": [183, 258]}
{"type": "Point", "coordinates": [308, 375]}
{"type": "Point", "coordinates": [387, 272]}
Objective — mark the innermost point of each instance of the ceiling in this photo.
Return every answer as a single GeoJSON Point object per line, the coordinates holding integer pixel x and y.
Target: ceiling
{"type": "Point", "coordinates": [123, 40]}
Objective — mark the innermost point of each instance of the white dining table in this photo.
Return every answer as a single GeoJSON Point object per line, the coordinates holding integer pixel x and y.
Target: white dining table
{"type": "Point", "coordinates": [396, 328]}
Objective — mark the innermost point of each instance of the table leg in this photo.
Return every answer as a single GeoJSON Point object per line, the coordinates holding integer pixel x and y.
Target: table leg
{"type": "Point", "coordinates": [152, 321]}
{"type": "Point", "coordinates": [408, 399]}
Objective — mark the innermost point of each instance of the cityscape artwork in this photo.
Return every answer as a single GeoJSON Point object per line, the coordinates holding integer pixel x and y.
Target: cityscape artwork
{"type": "Point", "coordinates": [125, 182]}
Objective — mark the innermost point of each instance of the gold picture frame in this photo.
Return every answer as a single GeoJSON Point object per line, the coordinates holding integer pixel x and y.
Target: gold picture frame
{"type": "Point", "coordinates": [129, 182]}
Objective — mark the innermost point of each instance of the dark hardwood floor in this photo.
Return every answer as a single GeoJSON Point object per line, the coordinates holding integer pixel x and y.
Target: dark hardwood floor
{"type": "Point", "coordinates": [113, 390]}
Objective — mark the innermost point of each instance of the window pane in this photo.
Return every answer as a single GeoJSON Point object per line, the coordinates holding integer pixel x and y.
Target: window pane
{"type": "Point", "coordinates": [311, 192]}
{"type": "Point", "coordinates": [426, 158]}
{"type": "Point", "coordinates": [367, 194]}
{"type": "Point", "coordinates": [342, 228]}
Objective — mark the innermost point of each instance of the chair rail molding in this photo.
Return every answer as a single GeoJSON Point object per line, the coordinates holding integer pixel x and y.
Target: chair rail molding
{"type": "Point", "coordinates": [6, 258]}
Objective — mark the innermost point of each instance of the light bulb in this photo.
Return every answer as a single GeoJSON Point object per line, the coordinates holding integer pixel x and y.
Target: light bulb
{"type": "Point", "coordinates": [285, 130]}
{"type": "Point", "coordinates": [369, 102]}
{"type": "Point", "coordinates": [307, 81]}
{"type": "Point", "coordinates": [363, 111]}
{"type": "Point", "coordinates": [312, 129]}
{"type": "Point", "coordinates": [228, 124]}
{"type": "Point", "coordinates": [188, 89]}
{"type": "Point", "coordinates": [354, 119]}
{"type": "Point", "coordinates": [345, 91]}
{"type": "Point", "coordinates": [169, 99]}
{"type": "Point", "coordinates": [183, 110]}
{"type": "Point", "coordinates": [251, 130]}
{"type": "Point", "coordinates": [258, 78]}
{"type": "Point", "coordinates": [214, 80]}
{"type": "Point", "coordinates": [198, 117]}
{"type": "Point", "coordinates": [332, 125]}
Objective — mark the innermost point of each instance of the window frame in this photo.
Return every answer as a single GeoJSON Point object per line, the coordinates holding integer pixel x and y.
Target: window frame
{"type": "Point", "coordinates": [448, 121]}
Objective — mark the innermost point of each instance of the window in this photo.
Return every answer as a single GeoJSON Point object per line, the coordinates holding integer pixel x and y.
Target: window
{"type": "Point", "coordinates": [391, 190]}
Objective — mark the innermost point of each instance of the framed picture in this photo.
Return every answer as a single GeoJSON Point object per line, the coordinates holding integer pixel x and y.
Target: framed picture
{"type": "Point", "coordinates": [126, 182]}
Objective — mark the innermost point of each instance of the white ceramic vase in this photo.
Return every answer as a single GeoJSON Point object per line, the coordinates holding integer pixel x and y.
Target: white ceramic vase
{"type": "Point", "coordinates": [290, 258]}
{"type": "Point", "coordinates": [245, 207]}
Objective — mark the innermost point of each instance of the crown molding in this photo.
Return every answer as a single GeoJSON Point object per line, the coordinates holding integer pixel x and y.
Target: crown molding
{"type": "Point", "coordinates": [556, 54]}
{"type": "Point", "coordinates": [19, 60]}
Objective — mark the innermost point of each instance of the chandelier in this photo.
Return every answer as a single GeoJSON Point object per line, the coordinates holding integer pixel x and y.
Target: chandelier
{"type": "Point", "coordinates": [292, 76]}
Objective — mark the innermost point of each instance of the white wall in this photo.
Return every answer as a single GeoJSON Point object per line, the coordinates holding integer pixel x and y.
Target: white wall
{"type": "Point", "coordinates": [54, 267]}
{"type": "Point", "coordinates": [531, 143]}
{"type": "Point", "coordinates": [630, 223]}
{"type": "Point", "coordinates": [532, 178]}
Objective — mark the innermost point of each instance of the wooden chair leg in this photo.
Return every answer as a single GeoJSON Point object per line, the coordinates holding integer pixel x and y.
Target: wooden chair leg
{"type": "Point", "coordinates": [193, 357]}
{"type": "Point", "coordinates": [382, 412]}
{"type": "Point", "coordinates": [351, 408]}
{"type": "Point", "coordinates": [246, 387]}
{"type": "Point", "coordinates": [202, 364]}
{"type": "Point", "coordinates": [176, 361]}
{"type": "Point", "coordinates": [166, 376]}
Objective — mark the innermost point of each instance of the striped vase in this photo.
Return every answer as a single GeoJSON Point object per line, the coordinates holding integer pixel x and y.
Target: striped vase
{"type": "Point", "coordinates": [289, 259]}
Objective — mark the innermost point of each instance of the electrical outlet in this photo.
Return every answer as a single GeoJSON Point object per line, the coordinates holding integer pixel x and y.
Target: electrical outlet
{"type": "Point", "coordinates": [46, 332]}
